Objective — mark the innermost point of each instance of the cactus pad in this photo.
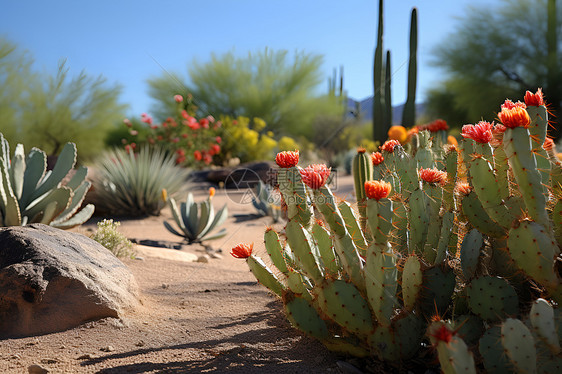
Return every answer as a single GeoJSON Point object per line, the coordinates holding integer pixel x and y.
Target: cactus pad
{"type": "Point", "coordinates": [492, 298]}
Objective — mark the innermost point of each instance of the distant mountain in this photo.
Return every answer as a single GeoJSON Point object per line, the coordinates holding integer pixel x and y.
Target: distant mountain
{"type": "Point", "coordinates": [366, 110]}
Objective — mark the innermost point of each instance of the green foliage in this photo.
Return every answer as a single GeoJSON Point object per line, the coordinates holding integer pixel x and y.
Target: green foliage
{"type": "Point", "coordinates": [108, 236]}
{"type": "Point", "coordinates": [265, 84]}
{"type": "Point", "coordinates": [516, 58]}
{"type": "Point", "coordinates": [131, 184]}
{"type": "Point", "coordinates": [197, 221]}
{"type": "Point", "coordinates": [49, 111]}
{"type": "Point", "coordinates": [30, 194]}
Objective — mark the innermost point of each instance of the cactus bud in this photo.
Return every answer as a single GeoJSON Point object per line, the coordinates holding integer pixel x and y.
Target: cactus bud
{"type": "Point", "coordinates": [287, 159]}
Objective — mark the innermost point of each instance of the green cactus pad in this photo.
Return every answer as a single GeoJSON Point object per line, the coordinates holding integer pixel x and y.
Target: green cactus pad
{"type": "Point", "coordinates": [557, 221]}
{"type": "Point", "coordinates": [447, 231]}
{"type": "Point", "coordinates": [305, 250]}
{"type": "Point", "coordinates": [297, 284]}
{"type": "Point", "coordinates": [434, 198]}
{"type": "Point", "coordinates": [479, 218]}
{"type": "Point", "coordinates": [412, 279]}
{"type": "Point", "coordinates": [295, 195]}
{"type": "Point", "coordinates": [438, 286]}
{"type": "Point", "coordinates": [492, 352]}
{"type": "Point", "coordinates": [381, 281]}
{"type": "Point", "coordinates": [419, 220]}
{"type": "Point", "coordinates": [470, 252]}
{"type": "Point", "coordinates": [519, 345]}
{"type": "Point", "coordinates": [352, 224]}
{"type": "Point", "coordinates": [534, 251]}
{"type": "Point", "coordinates": [264, 275]}
{"type": "Point", "coordinates": [517, 146]}
{"type": "Point", "coordinates": [542, 319]}
{"type": "Point", "coordinates": [409, 332]}
{"type": "Point", "coordinates": [326, 248]}
{"type": "Point", "coordinates": [469, 327]}
{"type": "Point", "coordinates": [406, 169]}
{"type": "Point", "coordinates": [275, 250]}
{"type": "Point", "coordinates": [492, 298]}
{"type": "Point", "coordinates": [304, 317]}
{"type": "Point", "coordinates": [344, 304]}
{"type": "Point", "coordinates": [383, 342]}
{"type": "Point", "coordinates": [379, 219]}
{"type": "Point", "coordinates": [400, 223]}
{"type": "Point", "coordinates": [539, 123]}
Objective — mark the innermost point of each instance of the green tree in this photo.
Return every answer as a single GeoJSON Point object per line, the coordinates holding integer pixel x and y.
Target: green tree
{"type": "Point", "coordinates": [45, 111]}
{"type": "Point", "coordinates": [265, 84]}
{"type": "Point", "coordinates": [496, 54]}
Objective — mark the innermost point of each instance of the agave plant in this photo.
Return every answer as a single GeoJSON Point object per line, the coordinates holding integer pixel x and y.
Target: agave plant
{"type": "Point", "coordinates": [264, 202]}
{"type": "Point", "coordinates": [31, 194]}
{"type": "Point", "coordinates": [197, 221]}
{"type": "Point", "coordinates": [128, 183]}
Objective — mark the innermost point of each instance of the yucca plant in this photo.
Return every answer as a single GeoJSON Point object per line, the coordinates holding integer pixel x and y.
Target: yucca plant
{"type": "Point", "coordinates": [197, 221]}
{"type": "Point", "coordinates": [31, 194]}
{"type": "Point", "coordinates": [131, 184]}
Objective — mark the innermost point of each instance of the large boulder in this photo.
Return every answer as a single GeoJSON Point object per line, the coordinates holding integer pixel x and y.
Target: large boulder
{"type": "Point", "coordinates": [52, 280]}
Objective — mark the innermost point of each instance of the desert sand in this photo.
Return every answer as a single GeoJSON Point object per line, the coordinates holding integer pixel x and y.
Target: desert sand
{"type": "Point", "coordinates": [196, 317]}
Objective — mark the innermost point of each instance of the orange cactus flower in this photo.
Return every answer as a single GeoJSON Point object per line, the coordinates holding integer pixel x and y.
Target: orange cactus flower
{"type": "Point", "coordinates": [377, 158]}
{"type": "Point", "coordinates": [438, 125]}
{"type": "Point", "coordinates": [534, 99]}
{"type": "Point", "coordinates": [514, 117]}
{"type": "Point", "coordinates": [164, 195]}
{"type": "Point", "coordinates": [463, 188]}
{"type": "Point", "coordinates": [315, 175]}
{"type": "Point", "coordinates": [480, 133]}
{"type": "Point", "coordinates": [361, 150]}
{"type": "Point", "coordinates": [242, 250]}
{"type": "Point", "coordinates": [548, 144]}
{"type": "Point", "coordinates": [452, 140]}
{"type": "Point", "coordinates": [433, 176]}
{"type": "Point", "coordinates": [211, 192]}
{"type": "Point", "coordinates": [398, 133]}
{"type": "Point", "coordinates": [389, 145]}
{"type": "Point", "coordinates": [287, 159]}
{"type": "Point", "coordinates": [377, 189]}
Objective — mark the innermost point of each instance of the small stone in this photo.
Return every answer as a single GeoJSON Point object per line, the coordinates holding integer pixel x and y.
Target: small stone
{"type": "Point", "coordinates": [139, 258]}
{"type": "Point", "coordinates": [16, 357]}
{"type": "Point", "coordinates": [36, 369]}
{"type": "Point", "coordinates": [216, 255]}
{"type": "Point", "coordinates": [49, 361]}
{"type": "Point", "coordinates": [165, 285]}
{"type": "Point", "coordinates": [203, 259]}
{"type": "Point", "coordinates": [109, 348]}
{"type": "Point", "coordinates": [86, 356]}
{"type": "Point", "coordinates": [140, 344]}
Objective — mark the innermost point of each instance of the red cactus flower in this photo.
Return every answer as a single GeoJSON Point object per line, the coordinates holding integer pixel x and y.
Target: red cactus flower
{"type": "Point", "coordinates": [361, 150]}
{"type": "Point", "coordinates": [315, 175]}
{"type": "Point", "coordinates": [438, 125]}
{"type": "Point", "coordinates": [442, 333]}
{"type": "Point", "coordinates": [242, 250]}
{"type": "Point", "coordinates": [178, 98]}
{"type": "Point", "coordinates": [433, 176]}
{"type": "Point", "coordinates": [534, 99]}
{"type": "Point", "coordinates": [287, 159]}
{"type": "Point", "coordinates": [377, 158]}
{"type": "Point", "coordinates": [508, 104]}
{"type": "Point", "coordinates": [377, 189]}
{"type": "Point", "coordinates": [548, 144]}
{"type": "Point", "coordinates": [514, 117]}
{"type": "Point", "coordinates": [481, 132]}
{"type": "Point", "coordinates": [463, 188]}
{"type": "Point", "coordinates": [389, 145]}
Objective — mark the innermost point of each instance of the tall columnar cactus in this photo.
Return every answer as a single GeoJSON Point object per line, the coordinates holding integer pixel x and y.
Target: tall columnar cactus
{"type": "Point", "coordinates": [31, 194]}
{"type": "Point", "coordinates": [380, 127]}
{"type": "Point", "coordinates": [461, 260]}
{"type": "Point", "coordinates": [362, 168]}
{"type": "Point", "coordinates": [409, 113]}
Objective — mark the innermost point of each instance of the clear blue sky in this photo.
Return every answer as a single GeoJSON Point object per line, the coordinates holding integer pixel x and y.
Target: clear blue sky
{"type": "Point", "coordinates": [130, 41]}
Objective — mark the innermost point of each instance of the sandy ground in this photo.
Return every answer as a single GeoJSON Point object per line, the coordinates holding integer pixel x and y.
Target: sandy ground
{"type": "Point", "coordinates": [196, 317]}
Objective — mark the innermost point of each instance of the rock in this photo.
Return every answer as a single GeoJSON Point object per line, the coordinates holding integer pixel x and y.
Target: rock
{"type": "Point", "coordinates": [109, 348]}
{"type": "Point", "coordinates": [52, 280]}
{"type": "Point", "coordinates": [245, 175]}
{"type": "Point", "coordinates": [36, 369]}
{"type": "Point", "coordinates": [203, 258]}
{"type": "Point", "coordinates": [164, 253]}
{"type": "Point", "coordinates": [86, 356]}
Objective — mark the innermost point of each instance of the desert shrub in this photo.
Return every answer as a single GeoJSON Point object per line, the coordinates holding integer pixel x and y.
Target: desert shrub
{"type": "Point", "coordinates": [193, 142]}
{"type": "Point", "coordinates": [108, 236]}
{"type": "Point", "coordinates": [128, 183]}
